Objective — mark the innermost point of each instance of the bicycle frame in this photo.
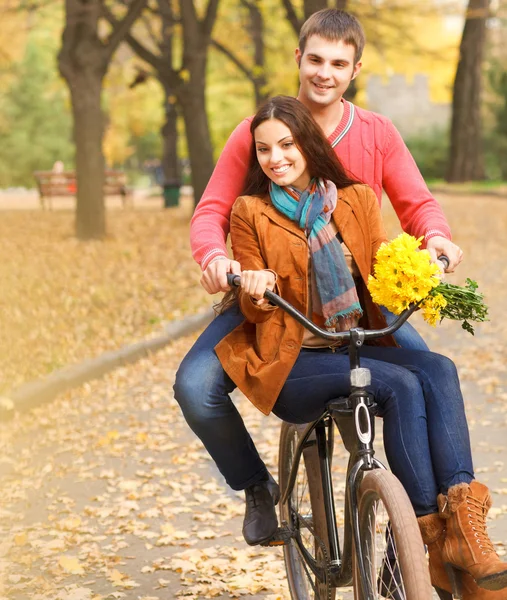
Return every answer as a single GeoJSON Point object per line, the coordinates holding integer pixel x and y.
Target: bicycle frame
{"type": "Point", "coordinates": [358, 441]}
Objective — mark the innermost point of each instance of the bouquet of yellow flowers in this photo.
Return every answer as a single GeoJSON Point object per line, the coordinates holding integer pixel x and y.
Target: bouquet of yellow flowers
{"type": "Point", "coordinates": [404, 275]}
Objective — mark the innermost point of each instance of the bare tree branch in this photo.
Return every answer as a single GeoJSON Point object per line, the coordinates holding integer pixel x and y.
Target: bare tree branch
{"type": "Point", "coordinates": [209, 19]}
{"type": "Point", "coordinates": [149, 28]}
{"type": "Point", "coordinates": [168, 20]}
{"type": "Point", "coordinates": [121, 28]}
{"type": "Point", "coordinates": [292, 16]}
{"type": "Point", "coordinates": [233, 58]}
{"type": "Point", "coordinates": [147, 55]}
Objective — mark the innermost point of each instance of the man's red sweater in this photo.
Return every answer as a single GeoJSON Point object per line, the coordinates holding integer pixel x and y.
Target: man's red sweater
{"type": "Point", "coordinates": [369, 147]}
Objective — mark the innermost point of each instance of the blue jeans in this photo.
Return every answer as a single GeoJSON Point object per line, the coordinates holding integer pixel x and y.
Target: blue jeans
{"type": "Point", "coordinates": [418, 393]}
{"type": "Point", "coordinates": [406, 336]}
{"type": "Point", "coordinates": [202, 389]}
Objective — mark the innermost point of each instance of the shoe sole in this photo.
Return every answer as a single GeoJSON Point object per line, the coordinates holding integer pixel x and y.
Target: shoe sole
{"type": "Point", "coordinates": [493, 583]}
{"type": "Point", "coordinates": [263, 541]}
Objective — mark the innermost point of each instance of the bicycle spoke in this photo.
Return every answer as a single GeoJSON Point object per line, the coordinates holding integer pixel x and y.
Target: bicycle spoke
{"type": "Point", "coordinates": [390, 542]}
{"type": "Point", "coordinates": [382, 558]}
{"type": "Point", "coordinates": [305, 552]}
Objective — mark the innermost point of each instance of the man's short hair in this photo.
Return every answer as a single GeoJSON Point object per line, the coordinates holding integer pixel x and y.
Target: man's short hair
{"type": "Point", "coordinates": [334, 25]}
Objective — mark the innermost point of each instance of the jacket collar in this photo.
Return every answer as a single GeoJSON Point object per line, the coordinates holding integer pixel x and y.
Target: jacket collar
{"type": "Point", "coordinates": [340, 215]}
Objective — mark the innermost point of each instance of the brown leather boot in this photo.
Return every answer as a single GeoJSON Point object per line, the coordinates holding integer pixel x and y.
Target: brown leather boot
{"type": "Point", "coordinates": [467, 547]}
{"type": "Point", "coordinates": [433, 535]}
{"type": "Point", "coordinates": [471, 591]}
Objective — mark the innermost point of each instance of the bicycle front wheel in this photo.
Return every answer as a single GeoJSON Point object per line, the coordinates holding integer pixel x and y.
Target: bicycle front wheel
{"type": "Point", "coordinates": [390, 541]}
{"type": "Point", "coordinates": [306, 555]}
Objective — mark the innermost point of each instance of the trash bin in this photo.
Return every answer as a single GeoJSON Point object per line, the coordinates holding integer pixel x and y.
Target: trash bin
{"type": "Point", "coordinates": [171, 193]}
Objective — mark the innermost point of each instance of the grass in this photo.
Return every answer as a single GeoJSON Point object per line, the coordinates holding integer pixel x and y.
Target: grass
{"type": "Point", "coordinates": [469, 187]}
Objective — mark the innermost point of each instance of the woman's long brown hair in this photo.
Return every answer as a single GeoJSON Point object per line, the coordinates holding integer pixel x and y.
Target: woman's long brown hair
{"type": "Point", "coordinates": [308, 137]}
{"type": "Point", "coordinates": [313, 145]}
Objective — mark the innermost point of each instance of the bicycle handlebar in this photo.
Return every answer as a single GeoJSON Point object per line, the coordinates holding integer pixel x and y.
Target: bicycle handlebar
{"type": "Point", "coordinates": [444, 260]}
{"type": "Point", "coordinates": [366, 334]}
{"type": "Point", "coordinates": [334, 336]}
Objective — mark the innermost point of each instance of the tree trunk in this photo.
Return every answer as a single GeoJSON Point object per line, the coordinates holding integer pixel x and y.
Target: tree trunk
{"type": "Point", "coordinates": [309, 7]}
{"type": "Point", "coordinates": [188, 82]}
{"type": "Point", "coordinates": [351, 91]}
{"type": "Point", "coordinates": [81, 63]}
{"type": "Point", "coordinates": [256, 30]}
{"type": "Point", "coordinates": [312, 6]}
{"type": "Point", "coordinates": [88, 132]}
{"type": "Point", "coordinates": [200, 150]}
{"type": "Point", "coordinates": [169, 131]}
{"type": "Point", "coordinates": [191, 91]}
{"type": "Point", "coordinates": [466, 161]}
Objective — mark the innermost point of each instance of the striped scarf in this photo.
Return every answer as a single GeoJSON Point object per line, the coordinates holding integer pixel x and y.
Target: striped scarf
{"type": "Point", "coordinates": [334, 294]}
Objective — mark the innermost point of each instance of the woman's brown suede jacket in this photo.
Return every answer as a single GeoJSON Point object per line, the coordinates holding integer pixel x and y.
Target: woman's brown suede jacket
{"type": "Point", "coordinates": [259, 354]}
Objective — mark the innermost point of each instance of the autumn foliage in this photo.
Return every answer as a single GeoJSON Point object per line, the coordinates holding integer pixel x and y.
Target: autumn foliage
{"type": "Point", "coordinates": [64, 300]}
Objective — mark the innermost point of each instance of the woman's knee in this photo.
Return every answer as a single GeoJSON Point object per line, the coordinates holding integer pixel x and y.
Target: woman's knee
{"type": "Point", "coordinates": [397, 388]}
{"type": "Point", "coordinates": [437, 366]}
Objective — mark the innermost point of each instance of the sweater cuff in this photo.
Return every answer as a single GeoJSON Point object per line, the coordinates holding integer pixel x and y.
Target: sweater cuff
{"type": "Point", "coordinates": [210, 255]}
{"type": "Point", "coordinates": [433, 233]}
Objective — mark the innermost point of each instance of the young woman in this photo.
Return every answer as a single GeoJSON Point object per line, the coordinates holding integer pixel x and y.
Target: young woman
{"type": "Point", "coordinates": [306, 230]}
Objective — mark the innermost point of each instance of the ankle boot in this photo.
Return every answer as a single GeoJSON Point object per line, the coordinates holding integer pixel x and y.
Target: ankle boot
{"type": "Point", "coordinates": [260, 522]}
{"type": "Point", "coordinates": [471, 591]}
{"type": "Point", "coordinates": [467, 547]}
{"type": "Point", "coordinates": [433, 535]}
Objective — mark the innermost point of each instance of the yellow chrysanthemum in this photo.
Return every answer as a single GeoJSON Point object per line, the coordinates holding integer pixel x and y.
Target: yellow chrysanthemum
{"type": "Point", "coordinates": [432, 307]}
{"type": "Point", "coordinates": [402, 274]}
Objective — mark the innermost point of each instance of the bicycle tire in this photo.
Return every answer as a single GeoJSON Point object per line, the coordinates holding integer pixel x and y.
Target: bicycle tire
{"type": "Point", "coordinates": [307, 501]}
{"type": "Point", "coordinates": [408, 574]}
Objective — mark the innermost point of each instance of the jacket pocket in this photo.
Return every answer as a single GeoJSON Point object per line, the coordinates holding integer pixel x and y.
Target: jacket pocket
{"type": "Point", "coordinates": [268, 338]}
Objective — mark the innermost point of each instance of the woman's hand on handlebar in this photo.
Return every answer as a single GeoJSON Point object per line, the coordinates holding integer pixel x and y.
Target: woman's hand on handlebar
{"type": "Point", "coordinates": [255, 283]}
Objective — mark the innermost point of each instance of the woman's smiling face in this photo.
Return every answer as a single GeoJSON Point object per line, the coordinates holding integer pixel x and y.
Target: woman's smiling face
{"type": "Point", "coordinates": [278, 156]}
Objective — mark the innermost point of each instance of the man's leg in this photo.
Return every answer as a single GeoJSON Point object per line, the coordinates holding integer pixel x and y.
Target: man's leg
{"type": "Point", "coordinates": [406, 336]}
{"type": "Point", "coordinates": [202, 390]}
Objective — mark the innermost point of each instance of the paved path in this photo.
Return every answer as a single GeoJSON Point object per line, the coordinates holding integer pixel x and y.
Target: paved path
{"type": "Point", "coordinates": [106, 493]}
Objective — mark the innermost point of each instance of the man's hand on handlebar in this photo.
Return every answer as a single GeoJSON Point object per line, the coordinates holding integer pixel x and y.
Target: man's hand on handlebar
{"type": "Point", "coordinates": [439, 245]}
{"type": "Point", "coordinates": [214, 277]}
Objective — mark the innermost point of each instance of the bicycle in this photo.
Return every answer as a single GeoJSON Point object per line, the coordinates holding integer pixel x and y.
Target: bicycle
{"type": "Point", "coordinates": [382, 553]}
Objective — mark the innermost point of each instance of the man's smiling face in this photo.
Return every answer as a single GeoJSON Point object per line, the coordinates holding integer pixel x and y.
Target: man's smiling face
{"type": "Point", "coordinates": [326, 69]}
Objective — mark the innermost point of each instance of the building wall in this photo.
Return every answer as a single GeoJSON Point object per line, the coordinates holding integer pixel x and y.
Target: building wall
{"type": "Point", "coordinates": [407, 104]}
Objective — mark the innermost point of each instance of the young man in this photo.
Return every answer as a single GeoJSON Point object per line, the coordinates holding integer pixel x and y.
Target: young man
{"type": "Point", "coordinates": [329, 53]}
{"type": "Point", "coordinates": [369, 146]}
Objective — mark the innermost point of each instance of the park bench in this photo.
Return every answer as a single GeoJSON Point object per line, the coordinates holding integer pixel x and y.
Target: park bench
{"type": "Point", "coordinates": [53, 184]}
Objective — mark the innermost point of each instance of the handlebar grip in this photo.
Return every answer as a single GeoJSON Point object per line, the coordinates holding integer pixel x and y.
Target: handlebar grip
{"type": "Point", "coordinates": [444, 260]}
{"type": "Point", "coordinates": [233, 280]}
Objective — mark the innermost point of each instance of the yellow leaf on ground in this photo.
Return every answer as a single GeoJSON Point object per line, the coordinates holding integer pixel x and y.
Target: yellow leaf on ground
{"type": "Point", "coordinates": [20, 539]}
{"type": "Point", "coordinates": [71, 564]}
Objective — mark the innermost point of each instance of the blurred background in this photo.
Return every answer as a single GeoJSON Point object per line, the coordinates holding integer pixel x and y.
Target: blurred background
{"type": "Point", "coordinates": [154, 87]}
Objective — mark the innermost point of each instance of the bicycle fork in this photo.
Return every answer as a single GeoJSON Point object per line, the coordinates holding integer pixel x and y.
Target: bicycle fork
{"type": "Point", "coordinates": [361, 403]}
